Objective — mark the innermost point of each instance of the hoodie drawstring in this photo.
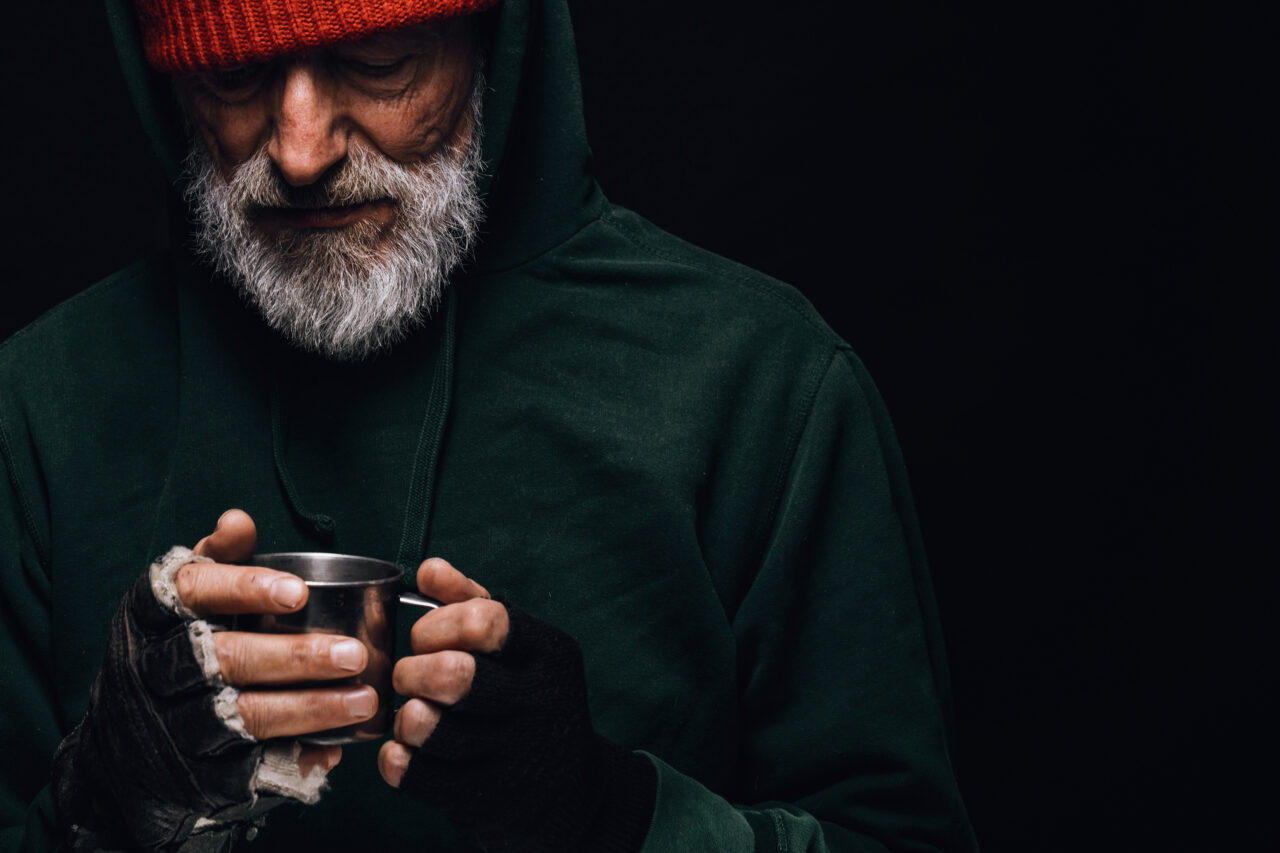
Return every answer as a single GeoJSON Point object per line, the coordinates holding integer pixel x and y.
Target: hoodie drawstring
{"type": "Point", "coordinates": [321, 525]}
{"type": "Point", "coordinates": [417, 510]}
{"type": "Point", "coordinates": [422, 482]}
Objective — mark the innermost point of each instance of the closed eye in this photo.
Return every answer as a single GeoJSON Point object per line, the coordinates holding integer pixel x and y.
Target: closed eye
{"type": "Point", "coordinates": [235, 81]}
{"type": "Point", "coordinates": [373, 69]}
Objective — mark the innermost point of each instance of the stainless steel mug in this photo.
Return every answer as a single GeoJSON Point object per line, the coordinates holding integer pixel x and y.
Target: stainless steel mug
{"type": "Point", "coordinates": [353, 596]}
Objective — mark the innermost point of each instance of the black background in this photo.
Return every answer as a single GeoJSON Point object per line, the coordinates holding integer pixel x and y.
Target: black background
{"type": "Point", "coordinates": [1021, 218]}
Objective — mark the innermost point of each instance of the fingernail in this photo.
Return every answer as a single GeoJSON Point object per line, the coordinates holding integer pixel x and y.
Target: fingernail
{"type": "Point", "coordinates": [288, 592]}
{"type": "Point", "coordinates": [361, 703]}
{"type": "Point", "coordinates": [348, 655]}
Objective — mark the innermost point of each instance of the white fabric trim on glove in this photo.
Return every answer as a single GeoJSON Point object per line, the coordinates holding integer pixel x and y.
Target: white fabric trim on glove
{"type": "Point", "coordinates": [164, 583]}
{"type": "Point", "coordinates": [164, 578]}
{"type": "Point", "coordinates": [278, 772]}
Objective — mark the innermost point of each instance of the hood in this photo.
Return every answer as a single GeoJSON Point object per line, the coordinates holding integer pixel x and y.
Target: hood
{"type": "Point", "coordinates": [538, 186]}
{"type": "Point", "coordinates": [538, 192]}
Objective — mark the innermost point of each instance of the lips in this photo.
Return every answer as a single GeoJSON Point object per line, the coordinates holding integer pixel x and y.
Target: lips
{"type": "Point", "coordinates": [297, 218]}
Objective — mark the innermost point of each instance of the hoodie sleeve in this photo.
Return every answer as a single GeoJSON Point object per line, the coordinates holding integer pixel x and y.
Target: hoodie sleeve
{"type": "Point", "coordinates": [843, 681]}
{"type": "Point", "coordinates": [29, 730]}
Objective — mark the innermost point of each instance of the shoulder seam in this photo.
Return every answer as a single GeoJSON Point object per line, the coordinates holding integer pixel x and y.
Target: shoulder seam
{"type": "Point", "coordinates": [780, 832]}
{"type": "Point", "coordinates": [119, 279]}
{"type": "Point", "coordinates": [776, 294]}
{"type": "Point", "coordinates": [544, 251]}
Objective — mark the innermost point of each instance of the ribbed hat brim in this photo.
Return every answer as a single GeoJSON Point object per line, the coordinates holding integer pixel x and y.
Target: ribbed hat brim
{"type": "Point", "coordinates": [193, 35]}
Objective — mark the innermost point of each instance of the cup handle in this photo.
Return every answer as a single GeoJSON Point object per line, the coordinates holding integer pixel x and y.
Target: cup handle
{"type": "Point", "coordinates": [412, 598]}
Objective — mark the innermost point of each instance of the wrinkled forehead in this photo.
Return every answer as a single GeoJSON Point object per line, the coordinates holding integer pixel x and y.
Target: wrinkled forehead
{"type": "Point", "coordinates": [181, 36]}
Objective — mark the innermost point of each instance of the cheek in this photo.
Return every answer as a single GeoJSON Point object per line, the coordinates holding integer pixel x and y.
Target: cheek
{"type": "Point", "coordinates": [232, 135]}
{"type": "Point", "coordinates": [413, 128]}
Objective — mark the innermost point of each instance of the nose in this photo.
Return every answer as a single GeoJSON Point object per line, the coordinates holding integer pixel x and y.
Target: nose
{"type": "Point", "coordinates": [308, 134]}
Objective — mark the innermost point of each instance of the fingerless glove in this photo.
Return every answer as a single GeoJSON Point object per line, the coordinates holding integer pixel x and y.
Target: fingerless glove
{"type": "Point", "coordinates": [516, 765]}
{"type": "Point", "coordinates": [154, 765]}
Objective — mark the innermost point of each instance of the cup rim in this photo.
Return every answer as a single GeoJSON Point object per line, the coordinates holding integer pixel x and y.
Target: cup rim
{"type": "Point", "coordinates": [394, 572]}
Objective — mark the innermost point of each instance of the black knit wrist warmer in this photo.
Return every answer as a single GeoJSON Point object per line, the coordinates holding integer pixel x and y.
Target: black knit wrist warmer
{"type": "Point", "coordinates": [151, 757]}
{"type": "Point", "coordinates": [516, 765]}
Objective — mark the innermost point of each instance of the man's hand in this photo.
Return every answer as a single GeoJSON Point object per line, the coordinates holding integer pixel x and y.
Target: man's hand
{"type": "Point", "coordinates": [441, 669]}
{"type": "Point", "coordinates": [171, 749]}
{"type": "Point", "coordinates": [248, 660]}
{"type": "Point", "coordinates": [497, 734]}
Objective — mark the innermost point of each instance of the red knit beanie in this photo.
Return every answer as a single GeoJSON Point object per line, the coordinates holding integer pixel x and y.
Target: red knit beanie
{"type": "Point", "coordinates": [193, 35]}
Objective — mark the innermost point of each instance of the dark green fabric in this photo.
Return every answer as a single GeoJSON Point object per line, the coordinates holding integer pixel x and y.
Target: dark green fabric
{"type": "Point", "coordinates": [664, 454]}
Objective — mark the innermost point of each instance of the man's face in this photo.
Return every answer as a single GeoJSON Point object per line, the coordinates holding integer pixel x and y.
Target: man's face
{"type": "Point", "coordinates": [337, 188]}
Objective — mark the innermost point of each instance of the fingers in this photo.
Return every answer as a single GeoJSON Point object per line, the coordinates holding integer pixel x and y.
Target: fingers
{"type": "Point", "coordinates": [246, 659]}
{"type": "Point", "coordinates": [443, 677]}
{"type": "Point", "coordinates": [440, 580]}
{"type": "Point", "coordinates": [393, 760]}
{"type": "Point", "coordinates": [442, 668]}
{"type": "Point", "coordinates": [233, 539]}
{"type": "Point", "coordinates": [324, 757]}
{"type": "Point", "coordinates": [289, 713]}
{"type": "Point", "coordinates": [477, 625]}
{"type": "Point", "coordinates": [415, 721]}
{"type": "Point", "coordinates": [215, 589]}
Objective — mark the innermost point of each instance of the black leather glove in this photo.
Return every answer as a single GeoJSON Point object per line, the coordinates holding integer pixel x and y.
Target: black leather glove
{"type": "Point", "coordinates": [152, 766]}
{"type": "Point", "coordinates": [515, 764]}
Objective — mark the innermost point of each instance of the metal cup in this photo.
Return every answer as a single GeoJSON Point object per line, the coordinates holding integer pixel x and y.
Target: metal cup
{"type": "Point", "coordinates": [353, 596]}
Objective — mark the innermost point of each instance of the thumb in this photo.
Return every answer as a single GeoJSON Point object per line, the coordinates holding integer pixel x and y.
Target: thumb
{"type": "Point", "coordinates": [233, 539]}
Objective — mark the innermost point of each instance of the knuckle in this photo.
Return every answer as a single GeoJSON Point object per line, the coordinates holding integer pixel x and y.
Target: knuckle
{"type": "Point", "coordinates": [321, 703]}
{"type": "Point", "coordinates": [303, 652]}
{"type": "Point", "coordinates": [316, 709]}
{"type": "Point", "coordinates": [188, 582]}
{"type": "Point", "coordinates": [252, 713]}
{"type": "Point", "coordinates": [457, 669]}
{"type": "Point", "coordinates": [233, 656]}
{"type": "Point", "coordinates": [475, 624]}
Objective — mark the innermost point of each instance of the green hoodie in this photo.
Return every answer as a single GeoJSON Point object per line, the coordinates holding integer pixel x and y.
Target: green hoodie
{"type": "Point", "coordinates": [663, 453]}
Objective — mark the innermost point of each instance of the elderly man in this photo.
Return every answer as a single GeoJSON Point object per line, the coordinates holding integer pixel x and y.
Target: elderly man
{"type": "Point", "coordinates": [410, 326]}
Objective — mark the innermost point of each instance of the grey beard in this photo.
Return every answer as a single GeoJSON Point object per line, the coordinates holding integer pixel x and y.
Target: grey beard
{"type": "Point", "coordinates": [344, 293]}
